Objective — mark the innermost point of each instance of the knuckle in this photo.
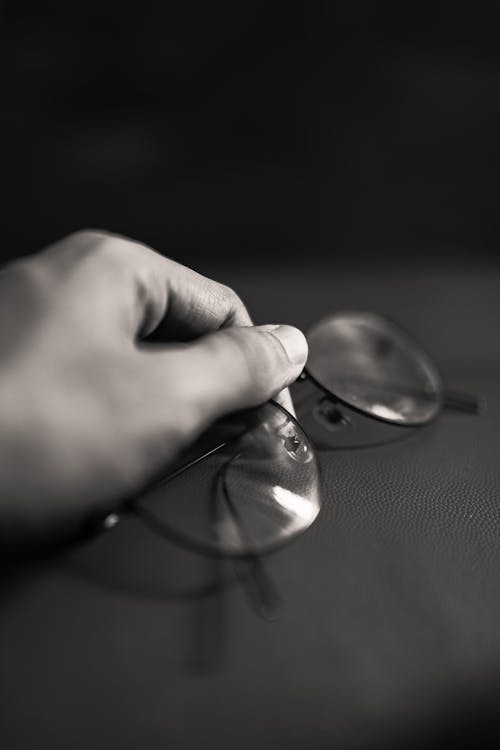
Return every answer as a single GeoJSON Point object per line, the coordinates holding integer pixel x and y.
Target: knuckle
{"type": "Point", "coordinates": [106, 247]}
{"type": "Point", "coordinates": [87, 235]}
{"type": "Point", "coordinates": [28, 277]}
{"type": "Point", "coordinates": [87, 239]}
{"type": "Point", "coordinates": [234, 308]}
{"type": "Point", "coordinates": [96, 245]}
{"type": "Point", "coordinates": [227, 293]}
{"type": "Point", "coordinates": [232, 298]}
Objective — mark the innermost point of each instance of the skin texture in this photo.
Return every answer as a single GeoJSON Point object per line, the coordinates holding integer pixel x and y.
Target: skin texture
{"type": "Point", "coordinates": [90, 409]}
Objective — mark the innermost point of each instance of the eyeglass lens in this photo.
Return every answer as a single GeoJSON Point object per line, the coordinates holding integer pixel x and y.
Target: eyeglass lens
{"type": "Point", "coordinates": [248, 496]}
{"type": "Point", "coordinates": [372, 365]}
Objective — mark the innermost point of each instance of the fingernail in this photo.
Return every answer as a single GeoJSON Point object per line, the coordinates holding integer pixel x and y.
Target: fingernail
{"type": "Point", "coordinates": [292, 340]}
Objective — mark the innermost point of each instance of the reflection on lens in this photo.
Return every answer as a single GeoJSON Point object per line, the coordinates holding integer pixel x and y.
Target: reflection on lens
{"type": "Point", "coordinates": [255, 493]}
{"type": "Point", "coordinates": [371, 364]}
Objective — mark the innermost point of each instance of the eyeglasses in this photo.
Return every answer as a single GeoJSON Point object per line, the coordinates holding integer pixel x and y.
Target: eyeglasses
{"type": "Point", "coordinates": [248, 493]}
{"type": "Point", "coordinates": [252, 483]}
{"type": "Point", "coordinates": [252, 486]}
{"type": "Point", "coordinates": [372, 365]}
{"type": "Point", "coordinates": [367, 381]}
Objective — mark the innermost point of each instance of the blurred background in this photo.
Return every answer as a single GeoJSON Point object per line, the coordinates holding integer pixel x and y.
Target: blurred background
{"type": "Point", "coordinates": [252, 132]}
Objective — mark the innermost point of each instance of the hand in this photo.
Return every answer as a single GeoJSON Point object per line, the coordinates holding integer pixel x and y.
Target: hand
{"type": "Point", "coordinates": [90, 410]}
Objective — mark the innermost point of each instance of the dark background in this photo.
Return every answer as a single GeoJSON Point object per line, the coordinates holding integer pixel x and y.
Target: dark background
{"type": "Point", "coordinates": [355, 131]}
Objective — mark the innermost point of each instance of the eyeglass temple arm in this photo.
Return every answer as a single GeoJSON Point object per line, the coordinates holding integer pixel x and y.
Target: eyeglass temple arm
{"type": "Point", "coordinates": [192, 463]}
{"type": "Point", "coordinates": [464, 402]}
{"type": "Point", "coordinates": [112, 519]}
{"type": "Point", "coordinates": [262, 595]}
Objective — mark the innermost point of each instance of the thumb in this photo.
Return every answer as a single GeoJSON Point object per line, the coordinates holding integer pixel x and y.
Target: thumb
{"type": "Point", "coordinates": [234, 369]}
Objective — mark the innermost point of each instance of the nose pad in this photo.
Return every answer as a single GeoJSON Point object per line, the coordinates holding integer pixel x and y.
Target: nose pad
{"type": "Point", "coordinates": [329, 415]}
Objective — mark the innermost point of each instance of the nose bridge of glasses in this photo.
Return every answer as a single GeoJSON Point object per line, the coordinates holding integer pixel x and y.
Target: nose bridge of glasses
{"type": "Point", "coordinates": [332, 425]}
{"type": "Point", "coordinates": [309, 396]}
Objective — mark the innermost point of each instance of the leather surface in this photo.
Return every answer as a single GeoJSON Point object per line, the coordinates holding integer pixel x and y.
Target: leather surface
{"type": "Point", "coordinates": [390, 627]}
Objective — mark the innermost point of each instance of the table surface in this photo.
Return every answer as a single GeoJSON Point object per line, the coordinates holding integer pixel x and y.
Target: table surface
{"type": "Point", "coordinates": [390, 629]}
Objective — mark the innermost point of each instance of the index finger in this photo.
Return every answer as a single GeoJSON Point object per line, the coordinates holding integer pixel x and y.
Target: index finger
{"type": "Point", "coordinates": [197, 305]}
{"type": "Point", "coordinates": [164, 296]}
{"type": "Point", "coordinates": [168, 301]}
